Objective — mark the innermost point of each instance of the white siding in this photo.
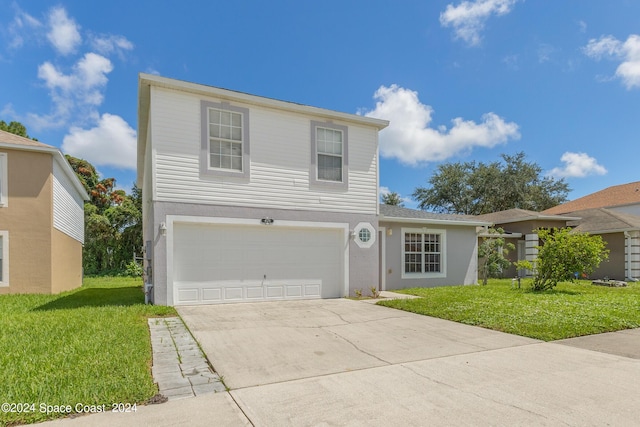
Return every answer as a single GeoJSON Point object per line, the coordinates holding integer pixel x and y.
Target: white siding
{"type": "Point", "coordinates": [68, 206]}
{"type": "Point", "coordinates": [280, 160]}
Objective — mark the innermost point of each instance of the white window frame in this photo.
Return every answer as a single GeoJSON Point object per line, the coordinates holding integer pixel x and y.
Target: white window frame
{"type": "Point", "coordinates": [314, 181]}
{"type": "Point", "coordinates": [205, 140]}
{"type": "Point", "coordinates": [4, 183]}
{"type": "Point", "coordinates": [4, 277]}
{"type": "Point", "coordinates": [443, 253]}
{"type": "Point", "coordinates": [363, 227]}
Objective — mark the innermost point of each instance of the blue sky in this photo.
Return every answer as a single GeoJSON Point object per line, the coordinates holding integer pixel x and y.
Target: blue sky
{"type": "Point", "coordinates": [459, 81]}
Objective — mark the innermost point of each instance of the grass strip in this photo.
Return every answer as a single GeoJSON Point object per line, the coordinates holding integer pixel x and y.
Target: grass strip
{"type": "Point", "coordinates": [89, 346]}
{"type": "Point", "coordinates": [569, 310]}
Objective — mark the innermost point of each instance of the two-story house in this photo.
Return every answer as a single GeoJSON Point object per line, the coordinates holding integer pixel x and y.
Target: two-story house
{"type": "Point", "coordinates": [41, 218]}
{"type": "Point", "coordinates": [247, 198]}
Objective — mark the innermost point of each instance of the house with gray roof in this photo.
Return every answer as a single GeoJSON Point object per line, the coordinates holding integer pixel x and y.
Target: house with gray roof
{"type": "Point", "coordinates": [519, 227]}
{"type": "Point", "coordinates": [425, 249]}
{"type": "Point", "coordinates": [247, 198]}
{"type": "Point", "coordinates": [619, 230]}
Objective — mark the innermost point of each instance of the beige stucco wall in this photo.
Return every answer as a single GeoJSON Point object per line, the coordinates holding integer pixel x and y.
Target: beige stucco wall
{"type": "Point", "coordinates": [28, 219]}
{"type": "Point", "coordinates": [66, 256]}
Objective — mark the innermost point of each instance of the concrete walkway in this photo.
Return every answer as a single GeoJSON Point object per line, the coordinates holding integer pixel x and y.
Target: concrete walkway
{"type": "Point", "coordinates": [345, 362]}
{"type": "Point", "coordinates": [179, 367]}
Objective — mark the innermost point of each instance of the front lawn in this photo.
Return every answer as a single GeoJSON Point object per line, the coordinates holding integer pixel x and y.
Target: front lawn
{"type": "Point", "coordinates": [89, 346]}
{"type": "Point", "coordinates": [570, 310]}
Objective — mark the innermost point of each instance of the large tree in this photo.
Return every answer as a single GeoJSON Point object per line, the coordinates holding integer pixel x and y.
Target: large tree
{"type": "Point", "coordinates": [473, 188]}
{"type": "Point", "coordinates": [392, 199]}
{"type": "Point", "coordinates": [16, 128]}
{"type": "Point", "coordinates": [113, 222]}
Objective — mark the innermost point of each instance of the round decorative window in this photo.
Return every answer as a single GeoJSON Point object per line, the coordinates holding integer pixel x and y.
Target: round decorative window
{"type": "Point", "coordinates": [364, 235]}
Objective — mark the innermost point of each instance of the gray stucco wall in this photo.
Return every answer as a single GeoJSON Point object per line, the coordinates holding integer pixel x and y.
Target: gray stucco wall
{"type": "Point", "coordinates": [363, 263]}
{"type": "Point", "coordinates": [461, 257]}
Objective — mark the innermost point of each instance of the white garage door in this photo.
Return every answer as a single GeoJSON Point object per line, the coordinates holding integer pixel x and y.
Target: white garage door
{"type": "Point", "coordinates": [234, 263]}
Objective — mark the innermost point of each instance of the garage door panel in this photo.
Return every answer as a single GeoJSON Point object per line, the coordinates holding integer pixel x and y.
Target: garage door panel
{"type": "Point", "coordinates": [231, 263]}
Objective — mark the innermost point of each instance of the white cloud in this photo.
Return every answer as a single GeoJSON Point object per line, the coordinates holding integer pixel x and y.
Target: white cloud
{"type": "Point", "coordinates": [544, 52]}
{"type": "Point", "coordinates": [80, 91]}
{"type": "Point", "coordinates": [469, 17]}
{"type": "Point", "coordinates": [577, 165]}
{"type": "Point", "coordinates": [63, 33]}
{"type": "Point", "coordinates": [583, 26]}
{"type": "Point", "coordinates": [410, 139]}
{"type": "Point", "coordinates": [628, 52]}
{"type": "Point", "coordinates": [111, 143]}
{"type": "Point", "coordinates": [106, 44]}
{"type": "Point", "coordinates": [23, 26]}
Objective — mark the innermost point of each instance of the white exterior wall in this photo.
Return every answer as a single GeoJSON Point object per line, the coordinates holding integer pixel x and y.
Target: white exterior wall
{"type": "Point", "coordinates": [68, 205]}
{"type": "Point", "coordinates": [279, 163]}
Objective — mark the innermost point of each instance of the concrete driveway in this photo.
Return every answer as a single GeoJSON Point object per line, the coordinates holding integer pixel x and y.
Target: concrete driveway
{"type": "Point", "coordinates": [344, 362]}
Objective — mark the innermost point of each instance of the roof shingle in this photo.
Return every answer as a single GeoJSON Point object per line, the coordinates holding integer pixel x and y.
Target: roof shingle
{"type": "Point", "coordinates": [617, 195]}
{"type": "Point", "coordinates": [10, 138]}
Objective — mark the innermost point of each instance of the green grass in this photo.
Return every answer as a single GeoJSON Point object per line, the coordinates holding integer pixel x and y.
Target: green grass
{"type": "Point", "coordinates": [88, 346]}
{"type": "Point", "coordinates": [570, 310]}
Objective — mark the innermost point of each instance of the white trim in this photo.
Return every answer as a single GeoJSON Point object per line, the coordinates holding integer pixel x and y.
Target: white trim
{"type": "Point", "coordinates": [364, 226]}
{"type": "Point", "coordinates": [443, 253]}
{"type": "Point", "coordinates": [153, 80]}
{"type": "Point", "coordinates": [383, 258]}
{"type": "Point", "coordinates": [4, 183]}
{"type": "Point", "coordinates": [4, 280]}
{"type": "Point", "coordinates": [170, 220]}
{"type": "Point", "coordinates": [434, 221]}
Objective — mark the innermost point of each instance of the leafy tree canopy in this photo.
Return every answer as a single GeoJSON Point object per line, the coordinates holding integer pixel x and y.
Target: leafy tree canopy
{"type": "Point", "coordinates": [392, 199]}
{"type": "Point", "coordinates": [15, 128]}
{"type": "Point", "coordinates": [492, 252]}
{"type": "Point", "coordinates": [113, 222]}
{"type": "Point", "coordinates": [564, 253]}
{"type": "Point", "coordinates": [473, 188]}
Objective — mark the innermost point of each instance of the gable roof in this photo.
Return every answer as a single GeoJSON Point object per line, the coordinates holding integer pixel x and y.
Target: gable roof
{"type": "Point", "coordinates": [16, 142]}
{"type": "Point", "coordinates": [399, 214]}
{"type": "Point", "coordinates": [13, 139]}
{"type": "Point", "coordinates": [616, 195]}
{"type": "Point", "coordinates": [602, 220]}
{"type": "Point", "coordinates": [517, 215]}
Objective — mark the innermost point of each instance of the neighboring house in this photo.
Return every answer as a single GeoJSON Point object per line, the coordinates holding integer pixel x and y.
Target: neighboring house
{"type": "Point", "coordinates": [41, 218]}
{"type": "Point", "coordinates": [623, 198]}
{"type": "Point", "coordinates": [613, 213]}
{"type": "Point", "coordinates": [248, 198]}
{"type": "Point", "coordinates": [620, 231]}
{"type": "Point", "coordinates": [520, 227]}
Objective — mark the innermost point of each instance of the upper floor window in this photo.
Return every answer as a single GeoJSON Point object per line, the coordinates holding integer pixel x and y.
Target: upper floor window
{"type": "Point", "coordinates": [225, 140]}
{"type": "Point", "coordinates": [329, 155]}
{"type": "Point", "coordinates": [329, 146]}
{"type": "Point", "coordinates": [4, 187]}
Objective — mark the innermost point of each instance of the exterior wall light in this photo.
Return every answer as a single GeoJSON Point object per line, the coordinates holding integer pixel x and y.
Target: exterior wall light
{"type": "Point", "coordinates": [163, 228]}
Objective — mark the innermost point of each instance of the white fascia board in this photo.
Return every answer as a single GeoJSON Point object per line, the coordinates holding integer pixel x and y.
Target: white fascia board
{"type": "Point", "coordinates": [539, 217]}
{"type": "Point", "coordinates": [153, 80]}
{"type": "Point", "coordinates": [504, 236]}
{"type": "Point", "coordinates": [469, 223]}
{"type": "Point", "coordinates": [59, 157]}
